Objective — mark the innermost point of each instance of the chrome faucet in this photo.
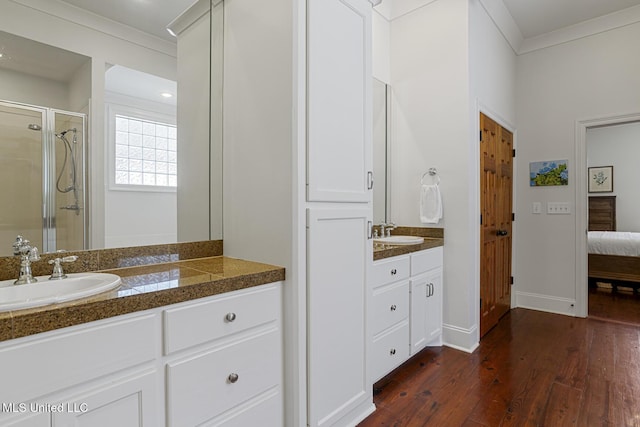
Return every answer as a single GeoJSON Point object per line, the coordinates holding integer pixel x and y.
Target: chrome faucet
{"type": "Point", "coordinates": [57, 267]}
{"type": "Point", "coordinates": [384, 226]}
{"type": "Point", "coordinates": [28, 254]}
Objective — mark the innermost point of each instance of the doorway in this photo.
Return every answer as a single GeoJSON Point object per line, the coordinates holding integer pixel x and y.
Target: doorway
{"type": "Point", "coordinates": [613, 241]}
{"type": "Point", "coordinates": [496, 196]}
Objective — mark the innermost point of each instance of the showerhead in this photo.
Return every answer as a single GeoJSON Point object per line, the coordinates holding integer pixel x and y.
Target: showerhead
{"type": "Point", "coordinates": [34, 126]}
{"type": "Point", "coordinates": [68, 130]}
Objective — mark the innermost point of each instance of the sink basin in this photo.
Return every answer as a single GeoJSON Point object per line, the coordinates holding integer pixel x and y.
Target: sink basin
{"type": "Point", "coordinates": [399, 240]}
{"type": "Point", "coordinates": [45, 291]}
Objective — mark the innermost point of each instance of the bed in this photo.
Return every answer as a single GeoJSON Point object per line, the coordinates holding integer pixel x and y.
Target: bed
{"type": "Point", "coordinates": [614, 257]}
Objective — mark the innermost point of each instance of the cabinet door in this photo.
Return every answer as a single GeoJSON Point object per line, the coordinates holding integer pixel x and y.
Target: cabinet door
{"type": "Point", "coordinates": [426, 309]}
{"type": "Point", "coordinates": [124, 403]}
{"type": "Point", "coordinates": [338, 251]}
{"type": "Point", "coordinates": [339, 100]}
{"type": "Point", "coordinates": [434, 306]}
{"type": "Point", "coordinates": [418, 326]}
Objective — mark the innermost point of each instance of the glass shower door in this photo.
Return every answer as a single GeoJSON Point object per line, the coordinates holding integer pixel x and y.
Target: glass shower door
{"type": "Point", "coordinates": [21, 178]}
{"type": "Point", "coordinates": [67, 198]}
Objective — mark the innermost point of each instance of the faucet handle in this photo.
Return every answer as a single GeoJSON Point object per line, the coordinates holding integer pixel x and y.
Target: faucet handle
{"type": "Point", "coordinates": [34, 255]}
{"type": "Point", "coordinates": [57, 273]}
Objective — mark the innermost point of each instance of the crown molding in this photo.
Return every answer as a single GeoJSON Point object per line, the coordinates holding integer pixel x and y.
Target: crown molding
{"type": "Point", "coordinates": [189, 16]}
{"type": "Point", "coordinates": [81, 17]}
{"type": "Point", "coordinates": [505, 23]}
{"type": "Point", "coordinates": [584, 29]}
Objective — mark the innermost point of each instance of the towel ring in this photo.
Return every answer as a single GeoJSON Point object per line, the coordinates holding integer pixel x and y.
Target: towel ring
{"type": "Point", "coordinates": [432, 172]}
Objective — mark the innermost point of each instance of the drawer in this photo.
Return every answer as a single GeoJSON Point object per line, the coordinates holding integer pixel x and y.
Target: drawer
{"type": "Point", "coordinates": [204, 386]}
{"type": "Point", "coordinates": [389, 271]}
{"type": "Point", "coordinates": [193, 324]}
{"type": "Point", "coordinates": [426, 260]}
{"type": "Point", "coordinates": [390, 305]}
{"type": "Point", "coordinates": [389, 350]}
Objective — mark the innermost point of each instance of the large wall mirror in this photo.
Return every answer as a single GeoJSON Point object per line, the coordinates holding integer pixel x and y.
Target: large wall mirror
{"type": "Point", "coordinates": [110, 126]}
{"type": "Point", "coordinates": [381, 153]}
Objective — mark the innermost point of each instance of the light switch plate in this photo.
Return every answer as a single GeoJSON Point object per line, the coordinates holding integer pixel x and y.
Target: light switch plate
{"type": "Point", "coordinates": [536, 207]}
{"type": "Point", "coordinates": [558, 208]}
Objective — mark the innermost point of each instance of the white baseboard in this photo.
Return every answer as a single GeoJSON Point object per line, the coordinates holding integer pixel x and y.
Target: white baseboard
{"type": "Point", "coordinates": [460, 338]}
{"type": "Point", "coordinates": [546, 303]}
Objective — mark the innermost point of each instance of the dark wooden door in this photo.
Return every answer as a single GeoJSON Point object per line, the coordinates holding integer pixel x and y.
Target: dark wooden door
{"type": "Point", "coordinates": [496, 189]}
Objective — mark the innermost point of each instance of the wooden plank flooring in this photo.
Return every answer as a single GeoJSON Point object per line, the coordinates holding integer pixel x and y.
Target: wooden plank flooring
{"type": "Point", "coordinates": [533, 369]}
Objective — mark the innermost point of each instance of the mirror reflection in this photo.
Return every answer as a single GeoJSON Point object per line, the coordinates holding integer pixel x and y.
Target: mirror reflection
{"type": "Point", "coordinates": [94, 151]}
{"type": "Point", "coordinates": [381, 152]}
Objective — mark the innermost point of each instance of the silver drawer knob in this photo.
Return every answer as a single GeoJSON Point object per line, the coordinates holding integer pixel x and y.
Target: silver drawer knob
{"type": "Point", "coordinates": [230, 317]}
{"type": "Point", "coordinates": [392, 351]}
{"type": "Point", "coordinates": [232, 378]}
{"type": "Point", "coordinates": [393, 307]}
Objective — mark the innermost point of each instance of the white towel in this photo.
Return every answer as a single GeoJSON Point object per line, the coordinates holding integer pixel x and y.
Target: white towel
{"type": "Point", "coordinates": [430, 204]}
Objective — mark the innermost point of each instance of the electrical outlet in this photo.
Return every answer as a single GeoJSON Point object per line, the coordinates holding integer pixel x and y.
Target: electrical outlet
{"type": "Point", "coordinates": [558, 208]}
{"type": "Point", "coordinates": [536, 207]}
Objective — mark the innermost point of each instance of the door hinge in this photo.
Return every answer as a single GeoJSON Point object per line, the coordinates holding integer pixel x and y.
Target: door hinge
{"type": "Point", "coordinates": [513, 152]}
{"type": "Point", "coordinates": [480, 219]}
{"type": "Point", "coordinates": [480, 135]}
{"type": "Point", "coordinates": [511, 280]}
{"type": "Point", "coordinates": [480, 303]}
{"type": "Point", "coordinates": [513, 216]}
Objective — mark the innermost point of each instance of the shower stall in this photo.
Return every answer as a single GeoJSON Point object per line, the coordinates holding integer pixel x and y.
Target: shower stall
{"type": "Point", "coordinates": [42, 177]}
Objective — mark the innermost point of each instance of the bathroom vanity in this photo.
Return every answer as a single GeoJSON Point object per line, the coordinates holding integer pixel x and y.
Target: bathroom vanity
{"type": "Point", "coordinates": [179, 343]}
{"type": "Point", "coordinates": [405, 285]}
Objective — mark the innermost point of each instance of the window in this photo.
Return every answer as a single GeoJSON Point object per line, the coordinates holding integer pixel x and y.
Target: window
{"type": "Point", "coordinates": [145, 153]}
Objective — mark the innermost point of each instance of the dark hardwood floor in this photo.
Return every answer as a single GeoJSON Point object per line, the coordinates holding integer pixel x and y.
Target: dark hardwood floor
{"type": "Point", "coordinates": [621, 306]}
{"type": "Point", "coordinates": [533, 369]}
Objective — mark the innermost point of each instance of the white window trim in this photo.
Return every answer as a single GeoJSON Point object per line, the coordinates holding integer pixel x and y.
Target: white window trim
{"type": "Point", "coordinates": [113, 109]}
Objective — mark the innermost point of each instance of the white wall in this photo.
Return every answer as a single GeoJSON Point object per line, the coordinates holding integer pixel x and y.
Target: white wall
{"type": "Point", "coordinates": [381, 64]}
{"type": "Point", "coordinates": [32, 90]}
{"type": "Point", "coordinates": [430, 128]}
{"type": "Point", "coordinates": [448, 61]}
{"type": "Point", "coordinates": [619, 146]}
{"type": "Point", "coordinates": [263, 174]}
{"type": "Point", "coordinates": [592, 77]}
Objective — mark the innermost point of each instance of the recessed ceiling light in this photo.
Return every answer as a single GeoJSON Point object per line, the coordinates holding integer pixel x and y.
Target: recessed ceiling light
{"type": "Point", "coordinates": [166, 95]}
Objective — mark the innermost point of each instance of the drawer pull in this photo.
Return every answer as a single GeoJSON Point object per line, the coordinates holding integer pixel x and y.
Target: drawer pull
{"type": "Point", "coordinates": [393, 307]}
{"type": "Point", "coordinates": [394, 272]}
{"type": "Point", "coordinates": [230, 317]}
{"type": "Point", "coordinates": [232, 378]}
{"type": "Point", "coordinates": [392, 351]}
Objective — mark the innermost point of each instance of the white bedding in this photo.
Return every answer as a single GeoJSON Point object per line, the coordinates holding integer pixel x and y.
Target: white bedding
{"type": "Point", "coordinates": [614, 243]}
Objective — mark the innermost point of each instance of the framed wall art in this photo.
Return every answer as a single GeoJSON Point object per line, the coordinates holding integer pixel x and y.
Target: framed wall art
{"type": "Point", "coordinates": [553, 172]}
{"type": "Point", "coordinates": [601, 179]}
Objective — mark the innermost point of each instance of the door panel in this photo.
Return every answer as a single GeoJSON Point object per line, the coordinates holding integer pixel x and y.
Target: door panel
{"type": "Point", "coordinates": [496, 188]}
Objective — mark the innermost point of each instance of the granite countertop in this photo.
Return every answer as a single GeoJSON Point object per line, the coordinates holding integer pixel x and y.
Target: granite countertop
{"type": "Point", "coordinates": [382, 251]}
{"type": "Point", "coordinates": [433, 237]}
{"type": "Point", "coordinates": [144, 287]}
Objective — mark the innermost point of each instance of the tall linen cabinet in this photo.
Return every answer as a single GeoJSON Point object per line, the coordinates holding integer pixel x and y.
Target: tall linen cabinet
{"type": "Point", "coordinates": [339, 211]}
{"type": "Point", "coordinates": [297, 186]}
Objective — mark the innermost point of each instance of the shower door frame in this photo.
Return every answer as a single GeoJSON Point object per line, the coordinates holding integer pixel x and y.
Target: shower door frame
{"type": "Point", "coordinates": [49, 232]}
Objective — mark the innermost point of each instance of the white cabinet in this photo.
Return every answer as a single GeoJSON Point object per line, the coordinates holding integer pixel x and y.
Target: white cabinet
{"type": "Point", "coordinates": [221, 365]}
{"type": "Point", "coordinates": [339, 106]}
{"type": "Point", "coordinates": [338, 386]}
{"type": "Point", "coordinates": [231, 366]}
{"type": "Point", "coordinates": [339, 146]}
{"type": "Point", "coordinates": [426, 298]}
{"type": "Point", "coordinates": [105, 367]}
{"type": "Point", "coordinates": [126, 402]}
{"type": "Point", "coordinates": [405, 312]}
